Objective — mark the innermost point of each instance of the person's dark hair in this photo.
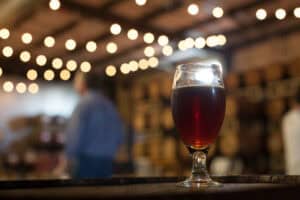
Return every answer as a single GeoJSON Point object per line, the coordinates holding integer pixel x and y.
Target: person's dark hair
{"type": "Point", "coordinates": [298, 96]}
{"type": "Point", "coordinates": [93, 81]}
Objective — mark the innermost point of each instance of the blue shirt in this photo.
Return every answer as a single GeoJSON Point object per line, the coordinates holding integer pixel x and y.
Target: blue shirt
{"type": "Point", "coordinates": [95, 128]}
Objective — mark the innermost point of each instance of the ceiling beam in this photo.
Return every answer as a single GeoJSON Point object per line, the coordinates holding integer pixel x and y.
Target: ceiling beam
{"type": "Point", "coordinates": [105, 14]}
{"type": "Point", "coordinates": [229, 13]}
{"type": "Point", "coordinates": [257, 24]}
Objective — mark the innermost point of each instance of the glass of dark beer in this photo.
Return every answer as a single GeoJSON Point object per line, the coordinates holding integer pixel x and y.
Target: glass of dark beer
{"type": "Point", "coordinates": [198, 108]}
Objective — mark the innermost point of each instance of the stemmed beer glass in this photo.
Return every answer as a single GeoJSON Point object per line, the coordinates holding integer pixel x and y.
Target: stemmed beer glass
{"type": "Point", "coordinates": [198, 107]}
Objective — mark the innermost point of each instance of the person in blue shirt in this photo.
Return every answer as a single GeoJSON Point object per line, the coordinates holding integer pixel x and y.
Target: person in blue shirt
{"type": "Point", "coordinates": [94, 133]}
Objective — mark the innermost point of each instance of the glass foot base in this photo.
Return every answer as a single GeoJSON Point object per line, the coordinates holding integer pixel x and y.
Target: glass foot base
{"type": "Point", "coordinates": [198, 183]}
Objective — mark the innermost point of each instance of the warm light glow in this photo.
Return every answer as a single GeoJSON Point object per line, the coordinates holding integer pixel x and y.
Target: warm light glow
{"type": "Point", "coordinates": [134, 66]}
{"type": "Point", "coordinates": [32, 74]}
{"type": "Point", "coordinates": [25, 56]}
{"type": "Point", "coordinates": [110, 70]}
{"type": "Point", "coordinates": [261, 14]}
{"type": "Point", "coordinates": [49, 75]}
{"type": "Point", "coordinates": [57, 63]}
{"type": "Point", "coordinates": [148, 38]}
{"type": "Point", "coordinates": [182, 46]}
{"type": "Point", "coordinates": [153, 62]}
{"type": "Point", "coordinates": [70, 44]}
{"type": "Point", "coordinates": [163, 40]}
{"type": "Point", "coordinates": [167, 50]}
{"type": "Point", "coordinates": [26, 38]}
{"type": "Point", "coordinates": [1, 71]}
{"type": "Point", "coordinates": [54, 4]}
{"type": "Point", "coordinates": [189, 42]}
{"type": "Point", "coordinates": [125, 68]}
{"type": "Point", "coordinates": [85, 66]}
{"type": "Point", "coordinates": [4, 33]}
{"type": "Point", "coordinates": [212, 41]}
{"type": "Point", "coordinates": [143, 64]}
{"type": "Point", "coordinates": [33, 88]}
{"type": "Point", "coordinates": [140, 2]}
{"type": "Point", "coordinates": [49, 41]}
{"type": "Point", "coordinates": [71, 65]}
{"type": "Point", "coordinates": [91, 46]}
{"type": "Point", "coordinates": [280, 13]}
{"type": "Point", "coordinates": [65, 75]}
{"type": "Point", "coordinates": [218, 12]}
{"type": "Point", "coordinates": [41, 60]}
{"type": "Point", "coordinates": [21, 88]}
{"type": "Point", "coordinates": [8, 86]}
{"type": "Point", "coordinates": [149, 51]}
{"type": "Point", "coordinates": [111, 47]}
{"type": "Point", "coordinates": [193, 9]}
{"type": "Point", "coordinates": [7, 51]}
{"type": "Point", "coordinates": [132, 34]}
{"type": "Point", "coordinates": [297, 12]}
{"type": "Point", "coordinates": [206, 76]}
{"type": "Point", "coordinates": [115, 29]}
{"type": "Point", "coordinates": [200, 42]}
{"type": "Point", "coordinates": [221, 40]}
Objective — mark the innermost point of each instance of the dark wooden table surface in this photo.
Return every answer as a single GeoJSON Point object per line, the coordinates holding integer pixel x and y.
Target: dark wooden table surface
{"type": "Point", "coordinates": [235, 187]}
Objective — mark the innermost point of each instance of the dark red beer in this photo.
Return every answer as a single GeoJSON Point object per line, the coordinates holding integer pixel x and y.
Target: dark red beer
{"type": "Point", "coordinates": [198, 112]}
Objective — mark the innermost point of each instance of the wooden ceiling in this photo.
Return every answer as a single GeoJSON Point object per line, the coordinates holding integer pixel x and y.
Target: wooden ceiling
{"type": "Point", "coordinates": [85, 20]}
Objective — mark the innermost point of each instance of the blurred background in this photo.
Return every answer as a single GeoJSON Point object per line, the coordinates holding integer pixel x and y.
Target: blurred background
{"type": "Point", "coordinates": [135, 46]}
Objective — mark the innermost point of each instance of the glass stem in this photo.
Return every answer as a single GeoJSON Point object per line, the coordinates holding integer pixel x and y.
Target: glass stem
{"type": "Point", "coordinates": [199, 171]}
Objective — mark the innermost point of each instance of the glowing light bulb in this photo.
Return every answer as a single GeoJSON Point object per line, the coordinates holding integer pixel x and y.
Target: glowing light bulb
{"type": "Point", "coordinates": [25, 56]}
{"type": "Point", "coordinates": [49, 75]}
{"type": "Point", "coordinates": [143, 64]}
{"type": "Point", "coordinates": [4, 33]}
{"type": "Point", "coordinates": [1, 71]}
{"type": "Point", "coordinates": [54, 4]}
{"type": "Point", "coordinates": [134, 66]}
{"type": "Point", "coordinates": [7, 51]}
{"type": "Point", "coordinates": [91, 46]}
{"type": "Point", "coordinates": [182, 46]}
{"type": "Point", "coordinates": [49, 41]}
{"type": "Point", "coordinates": [167, 50]}
{"type": "Point", "coordinates": [26, 38]}
{"type": "Point", "coordinates": [111, 47]}
{"type": "Point", "coordinates": [163, 40]}
{"type": "Point", "coordinates": [189, 42]}
{"type": "Point", "coordinates": [297, 12]}
{"type": "Point", "coordinates": [200, 42]}
{"type": "Point", "coordinates": [85, 66]}
{"type": "Point", "coordinates": [65, 75]}
{"type": "Point", "coordinates": [218, 12]}
{"type": "Point", "coordinates": [33, 88]}
{"type": "Point", "coordinates": [32, 74]}
{"type": "Point", "coordinates": [41, 60]}
{"type": "Point", "coordinates": [261, 14]}
{"type": "Point", "coordinates": [8, 86]}
{"type": "Point", "coordinates": [212, 41]}
{"type": "Point", "coordinates": [70, 44]}
{"type": "Point", "coordinates": [115, 29]}
{"type": "Point", "coordinates": [149, 51]}
{"type": "Point", "coordinates": [221, 39]}
{"type": "Point", "coordinates": [140, 2]}
{"type": "Point", "coordinates": [193, 9]}
{"type": "Point", "coordinates": [153, 62]}
{"type": "Point", "coordinates": [110, 70]}
{"type": "Point", "coordinates": [21, 87]}
{"type": "Point", "coordinates": [125, 68]}
{"type": "Point", "coordinates": [71, 65]}
{"type": "Point", "coordinates": [280, 14]}
{"type": "Point", "coordinates": [57, 63]}
{"type": "Point", "coordinates": [148, 38]}
{"type": "Point", "coordinates": [132, 34]}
